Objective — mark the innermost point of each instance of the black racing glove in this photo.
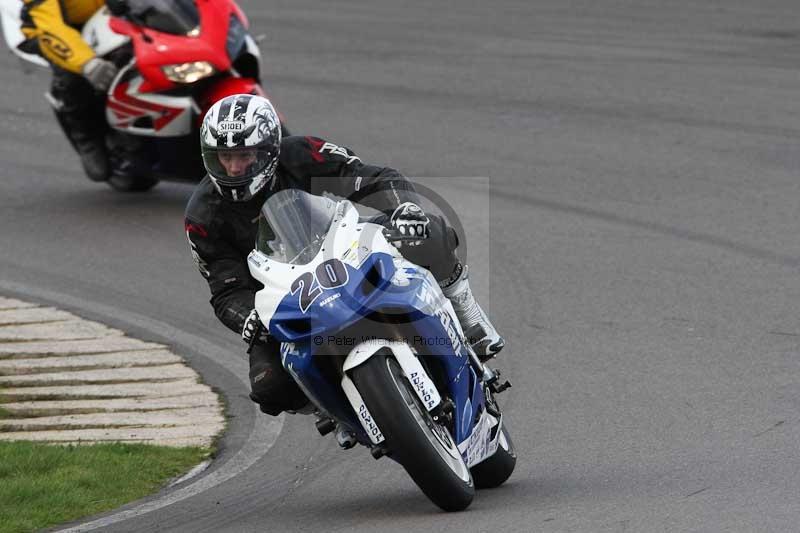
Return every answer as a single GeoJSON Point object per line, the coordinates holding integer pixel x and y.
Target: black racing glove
{"type": "Point", "coordinates": [254, 328]}
{"type": "Point", "coordinates": [409, 219]}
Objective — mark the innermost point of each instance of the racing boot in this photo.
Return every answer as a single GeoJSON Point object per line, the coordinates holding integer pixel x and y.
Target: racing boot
{"type": "Point", "coordinates": [91, 148]}
{"type": "Point", "coordinates": [480, 332]}
{"type": "Point", "coordinates": [87, 136]}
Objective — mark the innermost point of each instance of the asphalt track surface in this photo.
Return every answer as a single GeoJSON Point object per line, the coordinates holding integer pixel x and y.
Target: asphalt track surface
{"type": "Point", "coordinates": [641, 258]}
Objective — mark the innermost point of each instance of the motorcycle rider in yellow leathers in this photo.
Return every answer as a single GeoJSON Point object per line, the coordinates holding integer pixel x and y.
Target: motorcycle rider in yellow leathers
{"type": "Point", "coordinates": [52, 29]}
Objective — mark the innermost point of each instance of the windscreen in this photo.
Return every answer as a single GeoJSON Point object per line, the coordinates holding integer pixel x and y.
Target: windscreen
{"type": "Point", "coordinates": [178, 17]}
{"type": "Point", "coordinates": [293, 226]}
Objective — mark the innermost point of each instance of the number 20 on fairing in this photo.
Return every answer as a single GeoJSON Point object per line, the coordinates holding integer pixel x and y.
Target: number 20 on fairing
{"type": "Point", "coordinates": [328, 275]}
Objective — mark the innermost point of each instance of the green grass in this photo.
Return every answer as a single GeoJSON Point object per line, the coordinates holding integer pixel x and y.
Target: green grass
{"type": "Point", "coordinates": [43, 485]}
{"type": "Point", "coordinates": [4, 413]}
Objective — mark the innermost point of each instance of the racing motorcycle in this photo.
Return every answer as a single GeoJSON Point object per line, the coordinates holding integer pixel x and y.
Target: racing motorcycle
{"type": "Point", "coordinates": [377, 348]}
{"type": "Point", "coordinates": [176, 58]}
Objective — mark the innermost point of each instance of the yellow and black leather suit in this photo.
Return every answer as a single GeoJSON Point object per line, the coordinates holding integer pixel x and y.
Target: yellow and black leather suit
{"type": "Point", "coordinates": [52, 29]}
{"type": "Point", "coordinates": [55, 25]}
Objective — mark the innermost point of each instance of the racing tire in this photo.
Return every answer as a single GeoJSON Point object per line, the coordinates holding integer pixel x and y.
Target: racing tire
{"type": "Point", "coordinates": [132, 183]}
{"type": "Point", "coordinates": [495, 470]}
{"type": "Point", "coordinates": [424, 448]}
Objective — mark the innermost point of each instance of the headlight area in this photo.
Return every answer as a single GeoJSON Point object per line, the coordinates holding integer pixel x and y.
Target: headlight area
{"type": "Point", "coordinates": [188, 72]}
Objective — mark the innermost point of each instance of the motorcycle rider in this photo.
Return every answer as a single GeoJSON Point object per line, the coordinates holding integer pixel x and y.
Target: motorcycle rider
{"type": "Point", "coordinates": [247, 160]}
{"type": "Point", "coordinates": [52, 29]}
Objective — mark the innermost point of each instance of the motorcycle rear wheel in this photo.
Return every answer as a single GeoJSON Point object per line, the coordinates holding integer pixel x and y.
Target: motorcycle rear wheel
{"type": "Point", "coordinates": [424, 448]}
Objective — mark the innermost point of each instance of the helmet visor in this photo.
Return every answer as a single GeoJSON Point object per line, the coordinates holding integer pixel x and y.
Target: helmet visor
{"type": "Point", "coordinates": [234, 167]}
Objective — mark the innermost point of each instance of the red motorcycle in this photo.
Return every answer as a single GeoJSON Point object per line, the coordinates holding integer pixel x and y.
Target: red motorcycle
{"type": "Point", "coordinates": [177, 58]}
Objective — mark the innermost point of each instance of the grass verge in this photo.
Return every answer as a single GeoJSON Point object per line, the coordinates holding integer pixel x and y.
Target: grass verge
{"type": "Point", "coordinates": [43, 485]}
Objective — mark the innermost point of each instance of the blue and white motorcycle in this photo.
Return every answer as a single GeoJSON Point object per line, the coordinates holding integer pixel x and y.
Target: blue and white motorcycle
{"type": "Point", "coordinates": [375, 345]}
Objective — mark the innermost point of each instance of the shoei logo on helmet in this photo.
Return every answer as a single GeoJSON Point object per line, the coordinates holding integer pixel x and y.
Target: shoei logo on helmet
{"type": "Point", "coordinates": [228, 126]}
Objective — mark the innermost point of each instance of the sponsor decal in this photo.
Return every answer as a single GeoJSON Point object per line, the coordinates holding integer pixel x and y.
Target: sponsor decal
{"type": "Point", "coordinates": [447, 322]}
{"type": "Point", "coordinates": [55, 45]}
{"type": "Point", "coordinates": [230, 126]}
{"type": "Point", "coordinates": [319, 147]}
{"type": "Point", "coordinates": [428, 296]}
{"type": "Point", "coordinates": [374, 430]}
{"type": "Point", "coordinates": [335, 149]}
{"type": "Point", "coordinates": [331, 298]}
{"type": "Point", "coordinates": [419, 382]}
{"type": "Point", "coordinates": [479, 445]}
{"type": "Point", "coordinates": [453, 277]}
{"type": "Point", "coordinates": [309, 286]}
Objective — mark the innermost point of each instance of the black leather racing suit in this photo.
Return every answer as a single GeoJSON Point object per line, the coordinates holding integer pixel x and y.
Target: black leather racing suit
{"type": "Point", "coordinates": [222, 234]}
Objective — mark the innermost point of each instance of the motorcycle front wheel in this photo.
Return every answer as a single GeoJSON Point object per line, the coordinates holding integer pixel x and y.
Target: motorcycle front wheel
{"type": "Point", "coordinates": [495, 470]}
{"type": "Point", "coordinates": [424, 447]}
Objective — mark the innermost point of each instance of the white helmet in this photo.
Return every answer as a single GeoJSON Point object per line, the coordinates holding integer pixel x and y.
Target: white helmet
{"type": "Point", "coordinates": [240, 140]}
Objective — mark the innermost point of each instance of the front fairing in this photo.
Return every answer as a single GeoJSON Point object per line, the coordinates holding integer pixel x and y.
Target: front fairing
{"type": "Point", "coordinates": [131, 109]}
{"type": "Point", "coordinates": [155, 49]}
{"type": "Point", "coordinates": [97, 32]}
{"type": "Point", "coordinates": [142, 100]}
{"type": "Point", "coordinates": [317, 333]}
{"type": "Point", "coordinates": [377, 278]}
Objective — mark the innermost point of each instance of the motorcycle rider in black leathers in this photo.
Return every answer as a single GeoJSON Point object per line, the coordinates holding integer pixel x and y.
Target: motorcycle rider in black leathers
{"type": "Point", "coordinates": [247, 160]}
